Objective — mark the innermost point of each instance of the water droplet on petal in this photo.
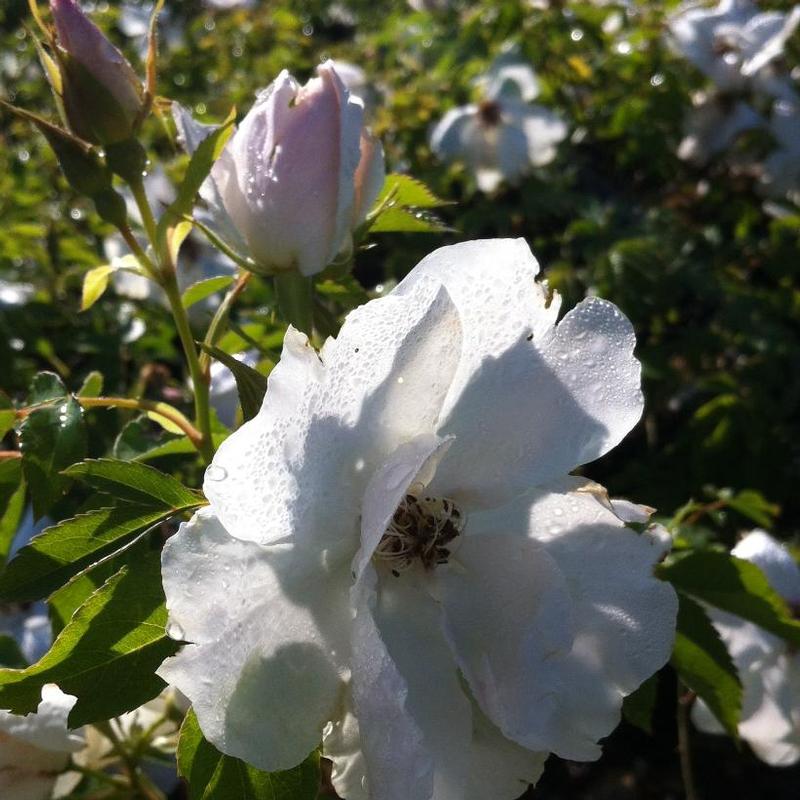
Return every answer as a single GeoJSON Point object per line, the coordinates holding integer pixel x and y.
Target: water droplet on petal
{"type": "Point", "coordinates": [216, 473]}
{"type": "Point", "coordinates": [174, 631]}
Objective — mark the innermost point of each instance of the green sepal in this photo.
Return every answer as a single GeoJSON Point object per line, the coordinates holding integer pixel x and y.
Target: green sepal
{"type": "Point", "coordinates": [110, 207]}
{"type": "Point", "coordinates": [295, 295]}
{"type": "Point", "coordinates": [92, 110]}
{"type": "Point", "coordinates": [79, 161]}
{"type": "Point", "coordinates": [128, 159]}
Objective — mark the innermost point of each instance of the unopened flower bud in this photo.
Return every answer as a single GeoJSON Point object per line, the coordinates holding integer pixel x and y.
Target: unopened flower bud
{"type": "Point", "coordinates": [300, 173]}
{"type": "Point", "coordinates": [102, 94]}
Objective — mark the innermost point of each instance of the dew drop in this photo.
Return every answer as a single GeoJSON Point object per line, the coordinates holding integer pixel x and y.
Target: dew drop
{"type": "Point", "coordinates": [216, 473]}
{"type": "Point", "coordinates": [174, 631]}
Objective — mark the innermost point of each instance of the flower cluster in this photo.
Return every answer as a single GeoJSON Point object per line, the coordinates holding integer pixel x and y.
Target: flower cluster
{"type": "Point", "coordinates": [740, 50]}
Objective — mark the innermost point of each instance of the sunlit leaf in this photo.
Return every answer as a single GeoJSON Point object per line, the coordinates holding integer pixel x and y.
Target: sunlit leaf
{"type": "Point", "coordinates": [134, 482]}
{"type": "Point", "coordinates": [705, 666]}
{"type": "Point", "coordinates": [107, 654]}
{"type": "Point", "coordinates": [733, 585]}
{"type": "Point", "coordinates": [51, 438]}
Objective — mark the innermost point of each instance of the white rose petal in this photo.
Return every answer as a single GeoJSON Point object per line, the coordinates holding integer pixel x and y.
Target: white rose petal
{"type": "Point", "coordinates": [35, 748]}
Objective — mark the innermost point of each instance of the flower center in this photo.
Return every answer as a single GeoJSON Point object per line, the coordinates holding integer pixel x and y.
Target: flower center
{"type": "Point", "coordinates": [489, 112]}
{"type": "Point", "coordinates": [726, 46]}
{"type": "Point", "coordinates": [421, 528]}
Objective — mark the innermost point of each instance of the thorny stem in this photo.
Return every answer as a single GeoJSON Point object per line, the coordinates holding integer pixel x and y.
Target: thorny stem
{"type": "Point", "coordinates": [684, 743]}
{"type": "Point", "coordinates": [221, 316]}
{"type": "Point", "coordinates": [162, 409]}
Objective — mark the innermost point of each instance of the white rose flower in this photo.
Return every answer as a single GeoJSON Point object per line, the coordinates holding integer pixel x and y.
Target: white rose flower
{"type": "Point", "coordinates": [504, 135]}
{"type": "Point", "coordinates": [781, 170]}
{"type": "Point", "coordinates": [733, 43]}
{"type": "Point", "coordinates": [768, 667]}
{"type": "Point", "coordinates": [395, 556]}
{"type": "Point", "coordinates": [35, 748]}
{"type": "Point", "coordinates": [713, 124]}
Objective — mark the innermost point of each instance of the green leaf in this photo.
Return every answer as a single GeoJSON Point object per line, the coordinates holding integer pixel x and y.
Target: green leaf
{"type": "Point", "coordinates": [51, 438]}
{"type": "Point", "coordinates": [733, 585]}
{"type": "Point", "coordinates": [704, 664]}
{"type": "Point", "coordinates": [251, 384]}
{"type": "Point", "coordinates": [214, 776]}
{"type": "Point", "coordinates": [92, 385]}
{"type": "Point", "coordinates": [95, 282]}
{"type": "Point", "coordinates": [10, 478]}
{"type": "Point", "coordinates": [78, 160]}
{"type": "Point", "coordinates": [64, 602]}
{"type": "Point", "coordinates": [753, 505]}
{"type": "Point", "coordinates": [134, 482]}
{"type": "Point", "coordinates": [401, 220]}
{"type": "Point", "coordinates": [45, 387]}
{"type": "Point", "coordinates": [12, 510]}
{"type": "Point", "coordinates": [68, 547]}
{"type": "Point", "coordinates": [637, 708]}
{"type": "Point", "coordinates": [108, 653]}
{"type": "Point", "coordinates": [8, 415]}
{"type": "Point", "coordinates": [403, 190]}
{"type": "Point", "coordinates": [165, 422]}
{"type": "Point", "coordinates": [139, 441]}
{"type": "Point", "coordinates": [137, 438]}
{"type": "Point", "coordinates": [202, 289]}
{"type": "Point", "coordinates": [181, 446]}
{"type": "Point", "coordinates": [10, 654]}
{"type": "Point", "coordinates": [200, 164]}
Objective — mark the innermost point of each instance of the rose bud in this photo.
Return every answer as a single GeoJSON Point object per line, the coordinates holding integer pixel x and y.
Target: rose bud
{"type": "Point", "coordinates": [300, 174]}
{"type": "Point", "coordinates": [102, 94]}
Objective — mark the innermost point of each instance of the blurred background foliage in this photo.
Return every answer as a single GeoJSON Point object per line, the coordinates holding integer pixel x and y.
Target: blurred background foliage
{"type": "Point", "coordinates": [703, 266]}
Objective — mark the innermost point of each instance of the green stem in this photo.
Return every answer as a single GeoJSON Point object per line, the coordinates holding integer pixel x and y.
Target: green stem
{"type": "Point", "coordinates": [139, 252]}
{"type": "Point", "coordinates": [148, 220]}
{"type": "Point", "coordinates": [98, 775]}
{"type": "Point", "coordinates": [169, 283]}
{"type": "Point", "coordinates": [221, 317]}
{"type": "Point", "coordinates": [202, 410]}
{"type": "Point", "coordinates": [138, 404]}
{"type": "Point", "coordinates": [139, 783]}
{"type": "Point", "coordinates": [684, 743]}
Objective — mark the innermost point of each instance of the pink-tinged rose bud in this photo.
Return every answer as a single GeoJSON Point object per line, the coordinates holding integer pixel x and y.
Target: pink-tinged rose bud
{"type": "Point", "coordinates": [102, 94]}
{"type": "Point", "coordinates": [299, 174]}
